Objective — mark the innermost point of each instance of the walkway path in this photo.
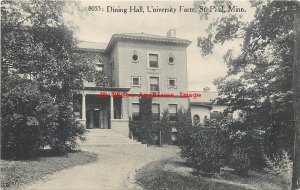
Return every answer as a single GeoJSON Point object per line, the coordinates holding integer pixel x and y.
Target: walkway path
{"type": "Point", "coordinates": [113, 169]}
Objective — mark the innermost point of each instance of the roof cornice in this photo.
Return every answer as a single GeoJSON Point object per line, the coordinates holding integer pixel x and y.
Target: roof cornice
{"type": "Point", "coordinates": [116, 37]}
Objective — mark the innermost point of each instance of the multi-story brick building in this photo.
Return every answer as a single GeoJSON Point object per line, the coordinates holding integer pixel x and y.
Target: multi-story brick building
{"type": "Point", "coordinates": [134, 64]}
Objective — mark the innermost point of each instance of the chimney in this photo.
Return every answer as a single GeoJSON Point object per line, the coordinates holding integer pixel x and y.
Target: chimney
{"type": "Point", "coordinates": [171, 33]}
{"type": "Point", "coordinates": [206, 89]}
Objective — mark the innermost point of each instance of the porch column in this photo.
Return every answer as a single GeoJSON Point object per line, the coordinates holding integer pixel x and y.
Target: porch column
{"type": "Point", "coordinates": [111, 107]}
{"type": "Point", "coordinates": [83, 108]}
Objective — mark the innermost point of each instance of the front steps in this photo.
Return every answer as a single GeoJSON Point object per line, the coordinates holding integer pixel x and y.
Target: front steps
{"type": "Point", "coordinates": [108, 138]}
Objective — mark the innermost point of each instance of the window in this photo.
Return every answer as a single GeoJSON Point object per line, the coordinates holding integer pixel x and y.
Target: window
{"type": "Point", "coordinates": [171, 59]}
{"type": "Point", "coordinates": [155, 112]}
{"type": "Point", "coordinates": [135, 111]}
{"type": "Point", "coordinates": [154, 84]}
{"type": "Point", "coordinates": [153, 61]}
{"type": "Point", "coordinates": [136, 81]}
{"type": "Point", "coordinates": [172, 83]}
{"type": "Point", "coordinates": [173, 112]}
{"type": "Point", "coordinates": [196, 120]}
{"type": "Point", "coordinates": [135, 57]}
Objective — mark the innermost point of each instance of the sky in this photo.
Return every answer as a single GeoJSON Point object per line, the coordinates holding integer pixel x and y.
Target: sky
{"type": "Point", "coordinates": [99, 26]}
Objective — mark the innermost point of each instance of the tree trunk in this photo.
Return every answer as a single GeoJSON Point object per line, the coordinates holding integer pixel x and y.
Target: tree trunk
{"type": "Point", "coordinates": [296, 85]}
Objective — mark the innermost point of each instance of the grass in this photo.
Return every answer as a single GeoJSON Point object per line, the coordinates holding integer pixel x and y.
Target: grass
{"type": "Point", "coordinates": [173, 174]}
{"type": "Point", "coordinates": [17, 173]}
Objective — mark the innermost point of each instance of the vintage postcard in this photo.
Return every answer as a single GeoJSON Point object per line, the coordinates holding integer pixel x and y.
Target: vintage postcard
{"type": "Point", "coordinates": [150, 95]}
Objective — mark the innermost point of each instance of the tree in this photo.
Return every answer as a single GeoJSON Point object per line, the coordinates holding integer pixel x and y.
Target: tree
{"type": "Point", "coordinates": [259, 79]}
{"type": "Point", "coordinates": [259, 82]}
{"type": "Point", "coordinates": [37, 46]}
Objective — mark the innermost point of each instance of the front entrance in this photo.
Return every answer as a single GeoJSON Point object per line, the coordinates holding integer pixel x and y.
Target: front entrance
{"type": "Point", "coordinates": [97, 117]}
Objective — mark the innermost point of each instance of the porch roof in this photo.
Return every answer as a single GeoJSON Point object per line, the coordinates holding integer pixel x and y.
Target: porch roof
{"type": "Point", "coordinates": [97, 90]}
{"type": "Point", "coordinates": [100, 88]}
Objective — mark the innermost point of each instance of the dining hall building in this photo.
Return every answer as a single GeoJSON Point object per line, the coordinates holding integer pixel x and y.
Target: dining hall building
{"type": "Point", "coordinates": [133, 64]}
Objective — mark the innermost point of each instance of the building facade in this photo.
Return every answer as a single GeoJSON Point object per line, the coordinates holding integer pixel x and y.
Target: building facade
{"type": "Point", "coordinates": [133, 65]}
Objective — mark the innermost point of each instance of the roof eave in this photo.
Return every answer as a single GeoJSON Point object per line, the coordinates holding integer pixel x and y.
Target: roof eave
{"type": "Point", "coordinates": [118, 36]}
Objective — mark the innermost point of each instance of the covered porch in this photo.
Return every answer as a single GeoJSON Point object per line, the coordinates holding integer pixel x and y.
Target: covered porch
{"type": "Point", "coordinates": [102, 111]}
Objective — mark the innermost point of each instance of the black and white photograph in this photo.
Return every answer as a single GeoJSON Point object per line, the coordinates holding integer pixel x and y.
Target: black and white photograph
{"type": "Point", "coordinates": [150, 95]}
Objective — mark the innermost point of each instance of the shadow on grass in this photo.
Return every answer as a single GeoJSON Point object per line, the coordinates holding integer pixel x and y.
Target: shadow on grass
{"type": "Point", "coordinates": [154, 176]}
{"type": "Point", "coordinates": [53, 153]}
{"type": "Point", "coordinates": [175, 181]}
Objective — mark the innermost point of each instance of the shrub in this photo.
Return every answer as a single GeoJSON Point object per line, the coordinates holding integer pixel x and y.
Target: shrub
{"type": "Point", "coordinates": [281, 165]}
{"type": "Point", "coordinates": [22, 119]}
{"type": "Point", "coordinates": [31, 120]}
{"type": "Point", "coordinates": [240, 161]}
{"type": "Point", "coordinates": [165, 126]}
{"type": "Point", "coordinates": [65, 135]}
{"type": "Point", "coordinates": [183, 126]}
{"type": "Point", "coordinates": [205, 150]}
{"type": "Point", "coordinates": [145, 112]}
{"type": "Point", "coordinates": [252, 141]}
{"type": "Point", "coordinates": [144, 130]}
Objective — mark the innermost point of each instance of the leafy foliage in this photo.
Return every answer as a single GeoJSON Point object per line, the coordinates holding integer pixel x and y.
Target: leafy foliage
{"type": "Point", "coordinates": [281, 165]}
{"type": "Point", "coordinates": [240, 161]}
{"type": "Point", "coordinates": [259, 78]}
{"type": "Point", "coordinates": [183, 124]}
{"type": "Point", "coordinates": [147, 133]}
{"type": "Point", "coordinates": [252, 142]}
{"type": "Point", "coordinates": [143, 129]}
{"type": "Point", "coordinates": [165, 126]}
{"type": "Point", "coordinates": [205, 150]}
{"type": "Point", "coordinates": [28, 117]}
{"type": "Point", "coordinates": [38, 76]}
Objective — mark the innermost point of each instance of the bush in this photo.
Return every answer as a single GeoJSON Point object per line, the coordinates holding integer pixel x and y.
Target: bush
{"type": "Point", "coordinates": [252, 141]}
{"type": "Point", "coordinates": [142, 131]}
{"type": "Point", "coordinates": [183, 126]}
{"type": "Point", "coordinates": [205, 150]}
{"type": "Point", "coordinates": [165, 126]}
{"type": "Point", "coordinates": [281, 165]}
{"type": "Point", "coordinates": [240, 161]}
{"type": "Point", "coordinates": [25, 111]}
{"type": "Point", "coordinates": [145, 131]}
{"type": "Point", "coordinates": [32, 120]}
{"type": "Point", "coordinates": [64, 137]}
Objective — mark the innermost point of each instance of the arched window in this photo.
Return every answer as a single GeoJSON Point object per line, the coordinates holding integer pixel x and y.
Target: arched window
{"type": "Point", "coordinates": [196, 120]}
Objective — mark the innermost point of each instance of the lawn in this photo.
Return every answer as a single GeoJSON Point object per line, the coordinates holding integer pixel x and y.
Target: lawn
{"type": "Point", "coordinates": [173, 174]}
{"type": "Point", "coordinates": [16, 173]}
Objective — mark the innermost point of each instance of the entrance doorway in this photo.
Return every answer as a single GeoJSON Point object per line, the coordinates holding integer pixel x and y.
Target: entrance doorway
{"type": "Point", "coordinates": [97, 117]}
{"type": "Point", "coordinates": [94, 118]}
